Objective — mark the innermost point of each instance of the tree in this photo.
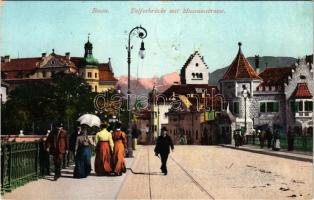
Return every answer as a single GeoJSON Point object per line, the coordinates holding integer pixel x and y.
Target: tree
{"type": "Point", "coordinates": [34, 106]}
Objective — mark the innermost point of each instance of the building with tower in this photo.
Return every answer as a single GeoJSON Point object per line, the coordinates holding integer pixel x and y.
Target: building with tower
{"type": "Point", "coordinates": [17, 71]}
{"type": "Point", "coordinates": [276, 99]}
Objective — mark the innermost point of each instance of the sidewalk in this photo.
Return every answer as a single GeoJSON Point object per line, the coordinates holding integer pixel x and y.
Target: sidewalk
{"type": "Point", "coordinates": [67, 187]}
{"type": "Point", "coordinates": [295, 155]}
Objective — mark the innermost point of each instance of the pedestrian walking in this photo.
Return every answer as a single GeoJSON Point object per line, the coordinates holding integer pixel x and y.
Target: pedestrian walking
{"type": "Point", "coordinates": [290, 138]}
{"type": "Point", "coordinates": [254, 135]}
{"type": "Point", "coordinates": [261, 137]}
{"type": "Point", "coordinates": [237, 139]}
{"type": "Point", "coordinates": [120, 144]}
{"type": "Point", "coordinates": [82, 155]}
{"type": "Point", "coordinates": [276, 141]}
{"type": "Point", "coordinates": [44, 158]}
{"type": "Point", "coordinates": [72, 143]}
{"type": "Point", "coordinates": [104, 147]}
{"type": "Point", "coordinates": [162, 148]}
{"type": "Point", "coordinates": [57, 145]}
{"type": "Point", "coordinates": [269, 137]}
{"type": "Point", "coordinates": [135, 133]}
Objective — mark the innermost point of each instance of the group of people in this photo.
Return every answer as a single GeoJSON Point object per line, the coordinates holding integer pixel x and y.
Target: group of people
{"type": "Point", "coordinates": [110, 149]}
{"type": "Point", "coordinates": [273, 140]}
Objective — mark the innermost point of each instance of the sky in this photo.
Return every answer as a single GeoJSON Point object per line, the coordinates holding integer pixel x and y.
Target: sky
{"type": "Point", "coordinates": [265, 28]}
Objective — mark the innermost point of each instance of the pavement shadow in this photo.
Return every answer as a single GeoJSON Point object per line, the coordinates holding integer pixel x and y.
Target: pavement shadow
{"type": "Point", "coordinates": [145, 173]}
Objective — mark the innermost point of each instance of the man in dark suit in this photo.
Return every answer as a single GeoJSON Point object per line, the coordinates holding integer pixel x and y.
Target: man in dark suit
{"type": "Point", "coordinates": [57, 144]}
{"type": "Point", "coordinates": [163, 145]}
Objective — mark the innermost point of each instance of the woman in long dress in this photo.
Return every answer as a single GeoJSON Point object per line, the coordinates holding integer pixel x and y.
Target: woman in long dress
{"type": "Point", "coordinates": [104, 147]}
{"type": "Point", "coordinates": [120, 143]}
{"type": "Point", "coordinates": [82, 155]}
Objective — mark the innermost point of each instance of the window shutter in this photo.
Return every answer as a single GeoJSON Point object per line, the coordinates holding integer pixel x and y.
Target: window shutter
{"type": "Point", "coordinates": [276, 106]}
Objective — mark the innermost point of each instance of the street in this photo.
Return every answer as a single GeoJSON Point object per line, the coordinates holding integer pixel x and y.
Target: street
{"type": "Point", "coordinates": [213, 172]}
{"type": "Point", "coordinates": [194, 172]}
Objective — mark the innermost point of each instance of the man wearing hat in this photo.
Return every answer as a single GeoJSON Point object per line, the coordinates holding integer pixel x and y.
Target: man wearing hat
{"type": "Point", "coordinates": [163, 145]}
{"type": "Point", "coordinates": [57, 144]}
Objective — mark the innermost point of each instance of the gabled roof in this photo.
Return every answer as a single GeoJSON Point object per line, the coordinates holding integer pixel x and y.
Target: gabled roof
{"type": "Point", "coordinates": [105, 73]}
{"type": "Point", "coordinates": [191, 58]}
{"type": "Point", "coordinates": [20, 64]}
{"type": "Point", "coordinates": [240, 68]}
{"type": "Point", "coordinates": [275, 76]}
{"type": "Point", "coordinates": [301, 92]}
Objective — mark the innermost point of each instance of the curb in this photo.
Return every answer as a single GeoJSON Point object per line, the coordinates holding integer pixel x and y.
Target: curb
{"type": "Point", "coordinates": [272, 154]}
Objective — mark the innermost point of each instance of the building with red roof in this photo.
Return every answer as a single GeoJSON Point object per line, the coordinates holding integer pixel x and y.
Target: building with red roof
{"type": "Point", "coordinates": [20, 70]}
{"type": "Point", "coordinates": [276, 98]}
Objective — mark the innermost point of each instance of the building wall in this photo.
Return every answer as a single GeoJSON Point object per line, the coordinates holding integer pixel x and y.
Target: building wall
{"type": "Point", "coordinates": [3, 93]}
{"type": "Point", "coordinates": [301, 69]}
{"type": "Point", "coordinates": [192, 68]}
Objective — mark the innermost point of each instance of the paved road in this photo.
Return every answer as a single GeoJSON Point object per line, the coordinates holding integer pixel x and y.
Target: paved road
{"type": "Point", "coordinates": [206, 172]}
{"type": "Point", "coordinates": [195, 172]}
{"type": "Point", "coordinates": [67, 187]}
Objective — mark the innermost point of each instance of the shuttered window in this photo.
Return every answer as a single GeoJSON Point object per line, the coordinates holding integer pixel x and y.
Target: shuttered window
{"type": "Point", "coordinates": [269, 107]}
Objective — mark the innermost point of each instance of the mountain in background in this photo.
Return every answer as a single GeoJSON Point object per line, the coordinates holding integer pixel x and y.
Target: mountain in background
{"type": "Point", "coordinates": [142, 86]}
{"type": "Point", "coordinates": [271, 61]}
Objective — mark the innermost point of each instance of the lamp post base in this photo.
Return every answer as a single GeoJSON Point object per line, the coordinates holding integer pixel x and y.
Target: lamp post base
{"type": "Point", "coordinates": [129, 153]}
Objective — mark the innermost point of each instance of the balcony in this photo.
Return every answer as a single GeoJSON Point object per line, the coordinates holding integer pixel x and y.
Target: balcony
{"type": "Point", "coordinates": [304, 114]}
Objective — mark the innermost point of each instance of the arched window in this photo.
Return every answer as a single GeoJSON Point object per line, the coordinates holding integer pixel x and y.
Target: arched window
{"type": "Point", "coordinates": [193, 75]}
{"type": "Point", "coordinates": [95, 88]}
{"type": "Point", "coordinates": [201, 75]}
{"type": "Point", "coordinates": [196, 75]}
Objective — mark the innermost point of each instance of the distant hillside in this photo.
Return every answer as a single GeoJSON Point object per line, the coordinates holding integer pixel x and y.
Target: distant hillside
{"type": "Point", "coordinates": [271, 61]}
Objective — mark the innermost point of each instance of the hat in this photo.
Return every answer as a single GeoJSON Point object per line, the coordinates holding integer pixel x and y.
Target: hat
{"type": "Point", "coordinates": [164, 129]}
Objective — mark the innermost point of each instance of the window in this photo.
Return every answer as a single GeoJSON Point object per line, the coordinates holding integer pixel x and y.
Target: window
{"type": "Point", "coordinates": [89, 74]}
{"type": "Point", "coordinates": [155, 127]}
{"type": "Point", "coordinates": [269, 106]}
{"type": "Point", "coordinates": [196, 134]}
{"type": "Point", "coordinates": [95, 75]}
{"type": "Point", "coordinates": [308, 106]}
{"type": "Point", "coordinates": [196, 64]}
{"type": "Point", "coordinates": [262, 107]}
{"type": "Point", "coordinates": [193, 74]}
{"type": "Point", "coordinates": [236, 109]}
{"type": "Point", "coordinates": [44, 74]}
{"type": "Point", "coordinates": [201, 75]}
{"type": "Point", "coordinates": [95, 88]}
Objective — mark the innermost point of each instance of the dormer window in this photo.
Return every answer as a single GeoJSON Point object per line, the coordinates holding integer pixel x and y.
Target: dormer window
{"type": "Point", "coordinates": [52, 62]}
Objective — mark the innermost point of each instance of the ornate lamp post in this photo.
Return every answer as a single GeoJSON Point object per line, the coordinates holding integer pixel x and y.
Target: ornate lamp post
{"type": "Point", "coordinates": [141, 33]}
{"type": "Point", "coordinates": [245, 95]}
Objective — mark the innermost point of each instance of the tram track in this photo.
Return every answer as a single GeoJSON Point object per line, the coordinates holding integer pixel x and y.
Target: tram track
{"type": "Point", "coordinates": [192, 179]}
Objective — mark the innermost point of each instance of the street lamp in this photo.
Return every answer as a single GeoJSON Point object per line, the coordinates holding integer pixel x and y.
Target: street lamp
{"type": "Point", "coordinates": [141, 33]}
{"type": "Point", "coordinates": [245, 95]}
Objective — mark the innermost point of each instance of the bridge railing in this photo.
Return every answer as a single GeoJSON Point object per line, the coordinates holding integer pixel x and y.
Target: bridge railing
{"type": "Point", "coordinates": [22, 162]}
{"type": "Point", "coordinates": [19, 164]}
{"type": "Point", "coordinates": [301, 143]}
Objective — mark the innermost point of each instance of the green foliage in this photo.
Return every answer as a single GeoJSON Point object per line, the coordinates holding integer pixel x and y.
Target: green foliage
{"type": "Point", "coordinates": [35, 106]}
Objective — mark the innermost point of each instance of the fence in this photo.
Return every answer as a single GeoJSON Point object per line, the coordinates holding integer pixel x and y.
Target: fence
{"type": "Point", "coordinates": [301, 143]}
{"type": "Point", "coordinates": [22, 162]}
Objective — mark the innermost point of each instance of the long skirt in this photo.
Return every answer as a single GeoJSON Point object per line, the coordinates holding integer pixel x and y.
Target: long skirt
{"type": "Point", "coordinates": [118, 158]}
{"type": "Point", "coordinates": [82, 162]}
{"type": "Point", "coordinates": [103, 158]}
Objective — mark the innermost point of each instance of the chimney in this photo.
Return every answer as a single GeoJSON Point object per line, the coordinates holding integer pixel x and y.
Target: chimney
{"type": "Point", "coordinates": [67, 55]}
{"type": "Point", "coordinates": [43, 55]}
{"type": "Point", "coordinates": [7, 58]}
{"type": "Point", "coordinates": [257, 64]}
